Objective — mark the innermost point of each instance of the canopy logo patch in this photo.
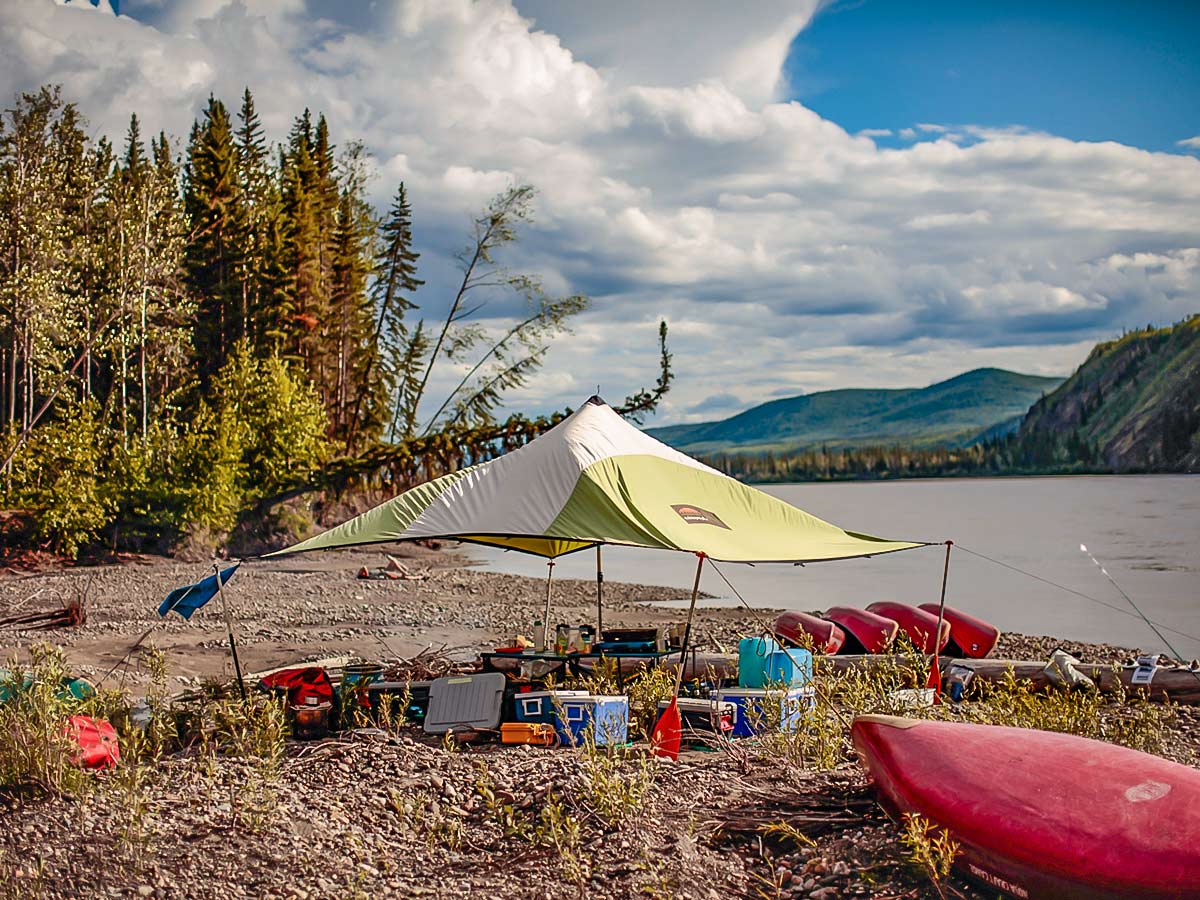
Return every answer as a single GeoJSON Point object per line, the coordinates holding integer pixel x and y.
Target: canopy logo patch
{"type": "Point", "coordinates": [694, 515]}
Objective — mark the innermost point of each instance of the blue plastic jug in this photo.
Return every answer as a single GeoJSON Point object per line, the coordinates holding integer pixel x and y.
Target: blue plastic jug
{"type": "Point", "coordinates": [791, 668]}
{"type": "Point", "coordinates": [753, 656]}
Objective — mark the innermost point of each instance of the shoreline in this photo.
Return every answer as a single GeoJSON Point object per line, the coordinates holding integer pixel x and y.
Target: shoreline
{"type": "Point", "coordinates": [304, 608]}
{"type": "Point", "coordinates": [395, 812]}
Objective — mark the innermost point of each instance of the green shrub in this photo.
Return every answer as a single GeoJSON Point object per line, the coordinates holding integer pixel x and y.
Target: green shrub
{"type": "Point", "coordinates": [36, 754]}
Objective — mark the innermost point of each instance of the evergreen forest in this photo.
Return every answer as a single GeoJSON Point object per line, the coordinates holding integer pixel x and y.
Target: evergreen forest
{"type": "Point", "coordinates": [194, 333]}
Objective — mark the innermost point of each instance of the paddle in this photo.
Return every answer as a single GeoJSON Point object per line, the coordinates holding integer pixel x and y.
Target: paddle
{"type": "Point", "coordinates": [935, 675]}
{"type": "Point", "coordinates": [668, 730]}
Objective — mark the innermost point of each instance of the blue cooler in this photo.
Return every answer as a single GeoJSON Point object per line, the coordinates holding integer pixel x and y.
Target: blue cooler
{"type": "Point", "coordinates": [757, 710]}
{"type": "Point", "coordinates": [789, 668]}
{"type": "Point", "coordinates": [539, 706]}
{"type": "Point", "coordinates": [753, 654]}
{"type": "Point", "coordinates": [606, 717]}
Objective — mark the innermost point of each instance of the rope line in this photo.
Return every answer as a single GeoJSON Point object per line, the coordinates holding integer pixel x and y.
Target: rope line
{"type": "Point", "coordinates": [771, 631]}
{"type": "Point", "coordinates": [1063, 587]}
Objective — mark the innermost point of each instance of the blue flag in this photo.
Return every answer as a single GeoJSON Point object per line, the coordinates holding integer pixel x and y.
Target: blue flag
{"type": "Point", "coordinates": [189, 598]}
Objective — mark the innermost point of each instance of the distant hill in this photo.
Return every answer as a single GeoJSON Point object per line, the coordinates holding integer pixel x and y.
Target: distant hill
{"type": "Point", "coordinates": [1136, 400]}
{"type": "Point", "coordinates": [957, 412]}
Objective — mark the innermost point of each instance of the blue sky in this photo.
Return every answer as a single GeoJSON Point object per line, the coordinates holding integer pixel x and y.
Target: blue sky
{"type": "Point", "coordinates": [1091, 71]}
{"type": "Point", "coordinates": [717, 165]}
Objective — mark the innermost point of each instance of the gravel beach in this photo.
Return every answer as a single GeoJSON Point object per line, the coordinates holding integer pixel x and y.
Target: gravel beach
{"type": "Point", "coordinates": [375, 814]}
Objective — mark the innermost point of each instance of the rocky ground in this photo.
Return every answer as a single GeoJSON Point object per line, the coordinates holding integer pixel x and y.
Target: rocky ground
{"type": "Point", "coordinates": [399, 814]}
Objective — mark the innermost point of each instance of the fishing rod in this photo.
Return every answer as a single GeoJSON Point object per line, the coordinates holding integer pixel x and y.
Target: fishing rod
{"type": "Point", "coordinates": [1129, 600]}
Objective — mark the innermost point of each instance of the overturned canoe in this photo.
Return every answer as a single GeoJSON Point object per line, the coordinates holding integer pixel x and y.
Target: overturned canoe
{"type": "Point", "coordinates": [866, 632]}
{"type": "Point", "coordinates": [793, 627]}
{"type": "Point", "coordinates": [1040, 815]}
{"type": "Point", "coordinates": [969, 637]}
{"type": "Point", "coordinates": [916, 623]}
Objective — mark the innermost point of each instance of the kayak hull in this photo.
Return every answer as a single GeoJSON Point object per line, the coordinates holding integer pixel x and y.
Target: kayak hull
{"type": "Point", "coordinates": [793, 626]}
{"type": "Point", "coordinates": [1039, 815]}
{"type": "Point", "coordinates": [916, 623]}
{"type": "Point", "coordinates": [871, 633]}
{"type": "Point", "coordinates": [970, 637]}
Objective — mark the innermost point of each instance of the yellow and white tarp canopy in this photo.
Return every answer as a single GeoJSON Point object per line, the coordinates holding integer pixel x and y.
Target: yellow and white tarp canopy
{"type": "Point", "coordinates": [596, 479]}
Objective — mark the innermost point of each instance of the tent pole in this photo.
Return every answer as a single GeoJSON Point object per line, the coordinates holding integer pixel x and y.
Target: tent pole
{"type": "Point", "coordinates": [935, 675]}
{"type": "Point", "coordinates": [687, 631]}
{"type": "Point", "coordinates": [237, 666]}
{"type": "Point", "coordinates": [599, 597]}
{"type": "Point", "coordinates": [546, 617]}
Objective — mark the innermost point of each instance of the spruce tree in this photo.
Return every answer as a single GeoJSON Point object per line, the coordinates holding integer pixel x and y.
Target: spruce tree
{"type": "Point", "coordinates": [301, 232]}
{"type": "Point", "coordinates": [212, 202]}
{"type": "Point", "coordinates": [259, 200]}
{"type": "Point", "coordinates": [395, 280]}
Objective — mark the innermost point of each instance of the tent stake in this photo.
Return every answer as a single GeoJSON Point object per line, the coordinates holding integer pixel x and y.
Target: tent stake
{"type": "Point", "coordinates": [935, 675]}
{"type": "Point", "coordinates": [546, 618]}
{"type": "Point", "coordinates": [237, 666]}
{"type": "Point", "coordinates": [599, 597]}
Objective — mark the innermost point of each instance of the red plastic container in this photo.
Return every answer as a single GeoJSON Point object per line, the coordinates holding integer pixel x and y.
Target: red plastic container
{"type": "Point", "coordinates": [97, 740]}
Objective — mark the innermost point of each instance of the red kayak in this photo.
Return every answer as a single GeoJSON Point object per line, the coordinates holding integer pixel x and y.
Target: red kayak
{"type": "Point", "coordinates": [970, 637]}
{"type": "Point", "coordinates": [1039, 814]}
{"type": "Point", "coordinates": [793, 627]}
{"type": "Point", "coordinates": [916, 623]}
{"type": "Point", "coordinates": [865, 631]}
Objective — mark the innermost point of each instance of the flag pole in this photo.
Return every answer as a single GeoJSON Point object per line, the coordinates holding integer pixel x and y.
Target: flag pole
{"type": "Point", "coordinates": [237, 666]}
{"type": "Point", "coordinates": [599, 597]}
{"type": "Point", "coordinates": [935, 675]}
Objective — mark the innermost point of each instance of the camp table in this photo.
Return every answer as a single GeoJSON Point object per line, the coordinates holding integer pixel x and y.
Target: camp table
{"type": "Point", "coordinates": [570, 663]}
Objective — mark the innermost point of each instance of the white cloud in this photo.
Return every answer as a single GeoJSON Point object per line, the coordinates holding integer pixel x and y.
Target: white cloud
{"type": "Point", "coordinates": [784, 252]}
{"type": "Point", "coordinates": [1192, 143]}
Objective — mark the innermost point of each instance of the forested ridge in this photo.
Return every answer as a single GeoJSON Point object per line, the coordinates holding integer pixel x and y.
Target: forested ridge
{"type": "Point", "coordinates": [1132, 406]}
{"type": "Point", "coordinates": [192, 330]}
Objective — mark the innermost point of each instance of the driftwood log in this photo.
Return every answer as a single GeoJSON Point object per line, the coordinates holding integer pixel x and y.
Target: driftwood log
{"type": "Point", "coordinates": [1180, 684]}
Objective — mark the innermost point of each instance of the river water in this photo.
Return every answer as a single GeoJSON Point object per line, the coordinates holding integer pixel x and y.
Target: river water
{"type": "Point", "coordinates": [1144, 529]}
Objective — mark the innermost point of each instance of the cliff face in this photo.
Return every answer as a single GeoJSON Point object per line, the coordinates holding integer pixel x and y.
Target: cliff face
{"type": "Point", "coordinates": [1136, 399]}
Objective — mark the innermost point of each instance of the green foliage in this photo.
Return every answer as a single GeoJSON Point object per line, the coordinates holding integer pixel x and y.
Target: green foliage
{"type": "Point", "coordinates": [264, 427]}
{"type": "Point", "coordinates": [36, 754]}
{"type": "Point", "coordinates": [185, 335]}
{"type": "Point", "coordinates": [930, 849]}
{"type": "Point", "coordinates": [822, 741]}
{"type": "Point", "coordinates": [61, 475]}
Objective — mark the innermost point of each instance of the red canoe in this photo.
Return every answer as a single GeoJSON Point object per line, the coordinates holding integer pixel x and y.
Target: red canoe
{"type": "Point", "coordinates": [1039, 814]}
{"type": "Point", "coordinates": [916, 623]}
{"type": "Point", "coordinates": [865, 631]}
{"type": "Point", "coordinates": [826, 637]}
{"type": "Point", "coordinates": [969, 637]}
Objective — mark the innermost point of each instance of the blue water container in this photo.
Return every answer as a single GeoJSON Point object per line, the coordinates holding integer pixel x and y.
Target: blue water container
{"type": "Point", "coordinates": [541, 706]}
{"type": "Point", "coordinates": [606, 718]}
{"type": "Point", "coordinates": [790, 668]}
{"type": "Point", "coordinates": [757, 711]}
{"type": "Point", "coordinates": [753, 655]}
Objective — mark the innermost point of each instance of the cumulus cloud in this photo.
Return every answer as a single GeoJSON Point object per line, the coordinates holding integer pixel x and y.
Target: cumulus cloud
{"type": "Point", "coordinates": [1192, 143]}
{"type": "Point", "coordinates": [787, 254]}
